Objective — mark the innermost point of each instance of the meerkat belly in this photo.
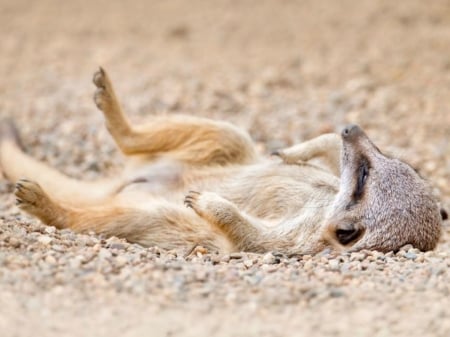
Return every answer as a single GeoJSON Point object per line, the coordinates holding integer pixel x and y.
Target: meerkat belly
{"type": "Point", "coordinates": [159, 178]}
{"type": "Point", "coordinates": [281, 191]}
{"type": "Point", "coordinates": [267, 190]}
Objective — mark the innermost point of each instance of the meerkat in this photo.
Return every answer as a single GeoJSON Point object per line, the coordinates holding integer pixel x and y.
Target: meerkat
{"type": "Point", "coordinates": [194, 181]}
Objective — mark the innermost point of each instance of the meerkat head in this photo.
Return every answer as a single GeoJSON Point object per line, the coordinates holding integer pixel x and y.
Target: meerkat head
{"type": "Point", "coordinates": [382, 203]}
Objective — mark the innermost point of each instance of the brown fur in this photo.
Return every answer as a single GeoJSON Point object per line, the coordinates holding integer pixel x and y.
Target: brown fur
{"type": "Point", "coordinates": [235, 200]}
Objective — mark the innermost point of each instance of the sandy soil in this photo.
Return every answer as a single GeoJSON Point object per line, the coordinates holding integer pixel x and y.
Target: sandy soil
{"type": "Point", "coordinates": [286, 71]}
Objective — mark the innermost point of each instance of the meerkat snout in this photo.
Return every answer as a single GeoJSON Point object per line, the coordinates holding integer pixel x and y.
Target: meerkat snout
{"type": "Point", "coordinates": [351, 131]}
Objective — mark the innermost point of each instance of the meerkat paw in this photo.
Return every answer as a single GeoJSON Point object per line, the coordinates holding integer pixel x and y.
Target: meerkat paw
{"type": "Point", "coordinates": [287, 159]}
{"type": "Point", "coordinates": [191, 200]}
{"type": "Point", "coordinates": [212, 207]}
{"type": "Point", "coordinates": [104, 94]}
{"type": "Point", "coordinates": [99, 78]}
{"type": "Point", "coordinates": [203, 203]}
{"type": "Point", "coordinates": [225, 216]}
{"type": "Point", "coordinates": [30, 197]}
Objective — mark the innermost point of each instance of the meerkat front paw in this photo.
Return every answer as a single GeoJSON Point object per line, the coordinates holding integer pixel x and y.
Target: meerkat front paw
{"type": "Point", "coordinates": [203, 203]}
{"type": "Point", "coordinates": [225, 215]}
{"type": "Point", "coordinates": [212, 207]}
{"type": "Point", "coordinates": [284, 157]}
{"type": "Point", "coordinates": [191, 200]}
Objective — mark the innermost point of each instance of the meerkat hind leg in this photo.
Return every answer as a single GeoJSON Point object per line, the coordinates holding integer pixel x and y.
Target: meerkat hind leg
{"type": "Point", "coordinates": [16, 164]}
{"type": "Point", "coordinates": [116, 121]}
{"type": "Point", "coordinates": [185, 138]}
{"type": "Point", "coordinates": [165, 225]}
{"type": "Point", "coordinates": [106, 219]}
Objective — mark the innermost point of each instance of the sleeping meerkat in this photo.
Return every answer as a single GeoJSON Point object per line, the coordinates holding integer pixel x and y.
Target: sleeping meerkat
{"type": "Point", "coordinates": [194, 181]}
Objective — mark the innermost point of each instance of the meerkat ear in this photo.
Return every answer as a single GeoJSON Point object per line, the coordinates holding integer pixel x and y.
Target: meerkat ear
{"type": "Point", "coordinates": [348, 233]}
{"type": "Point", "coordinates": [444, 214]}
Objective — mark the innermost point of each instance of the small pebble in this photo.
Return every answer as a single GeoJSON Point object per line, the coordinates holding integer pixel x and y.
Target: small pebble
{"type": "Point", "coordinates": [104, 253]}
{"type": "Point", "coordinates": [50, 230]}
{"type": "Point", "coordinates": [334, 264]}
{"type": "Point", "coordinates": [45, 239]}
{"type": "Point", "coordinates": [248, 263]}
{"type": "Point", "coordinates": [14, 242]}
{"type": "Point", "coordinates": [269, 258]}
{"type": "Point", "coordinates": [410, 256]}
{"type": "Point", "coordinates": [357, 256]}
{"type": "Point", "coordinates": [236, 256]}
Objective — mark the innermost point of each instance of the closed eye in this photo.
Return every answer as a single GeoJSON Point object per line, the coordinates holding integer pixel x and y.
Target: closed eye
{"type": "Point", "coordinates": [362, 175]}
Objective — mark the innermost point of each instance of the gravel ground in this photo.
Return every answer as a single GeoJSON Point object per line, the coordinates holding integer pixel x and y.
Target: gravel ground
{"type": "Point", "coordinates": [286, 71]}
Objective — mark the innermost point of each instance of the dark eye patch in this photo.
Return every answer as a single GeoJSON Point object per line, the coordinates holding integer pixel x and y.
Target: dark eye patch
{"type": "Point", "coordinates": [362, 175]}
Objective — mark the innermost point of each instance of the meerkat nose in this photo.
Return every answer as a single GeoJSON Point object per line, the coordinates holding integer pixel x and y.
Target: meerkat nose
{"type": "Point", "coordinates": [351, 132]}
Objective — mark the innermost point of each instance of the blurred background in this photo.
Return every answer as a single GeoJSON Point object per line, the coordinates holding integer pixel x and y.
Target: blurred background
{"type": "Point", "coordinates": [284, 70]}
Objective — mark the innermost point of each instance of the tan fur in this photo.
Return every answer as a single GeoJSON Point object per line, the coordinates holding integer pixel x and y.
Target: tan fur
{"type": "Point", "coordinates": [235, 200]}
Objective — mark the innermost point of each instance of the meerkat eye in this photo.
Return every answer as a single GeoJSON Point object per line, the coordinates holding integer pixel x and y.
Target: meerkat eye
{"type": "Point", "coordinates": [348, 233]}
{"type": "Point", "coordinates": [362, 175]}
